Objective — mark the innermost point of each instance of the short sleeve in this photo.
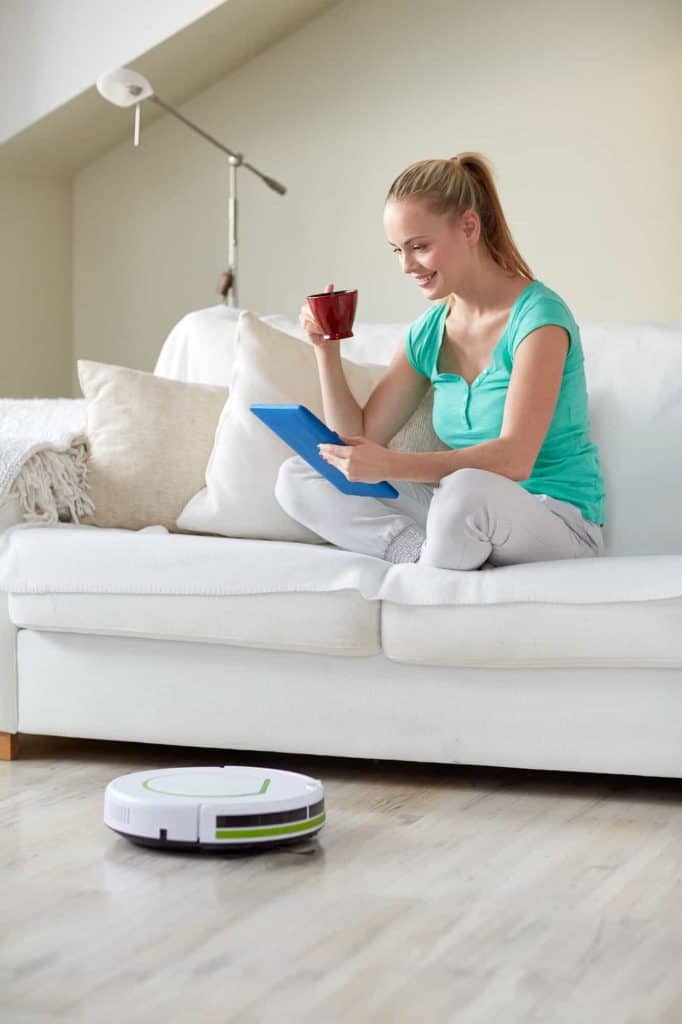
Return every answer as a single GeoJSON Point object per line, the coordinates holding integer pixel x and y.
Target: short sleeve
{"type": "Point", "coordinates": [421, 344]}
{"type": "Point", "coordinates": [547, 311]}
{"type": "Point", "coordinates": [410, 350]}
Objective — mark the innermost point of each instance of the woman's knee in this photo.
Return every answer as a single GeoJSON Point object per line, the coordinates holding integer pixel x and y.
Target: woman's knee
{"type": "Point", "coordinates": [468, 478]}
{"type": "Point", "coordinates": [290, 484]}
{"type": "Point", "coordinates": [466, 489]}
{"type": "Point", "coordinates": [463, 512]}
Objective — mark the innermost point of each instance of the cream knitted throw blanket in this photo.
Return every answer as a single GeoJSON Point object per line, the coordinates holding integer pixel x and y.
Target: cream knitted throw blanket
{"type": "Point", "coordinates": [43, 458]}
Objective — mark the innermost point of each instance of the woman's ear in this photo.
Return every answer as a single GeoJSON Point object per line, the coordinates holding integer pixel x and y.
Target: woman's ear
{"type": "Point", "coordinates": [470, 224]}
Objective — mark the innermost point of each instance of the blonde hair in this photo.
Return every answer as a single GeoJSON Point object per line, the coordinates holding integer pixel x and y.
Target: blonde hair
{"type": "Point", "coordinates": [464, 182]}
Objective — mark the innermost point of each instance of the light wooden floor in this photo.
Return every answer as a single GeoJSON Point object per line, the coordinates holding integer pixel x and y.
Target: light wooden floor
{"type": "Point", "coordinates": [433, 894]}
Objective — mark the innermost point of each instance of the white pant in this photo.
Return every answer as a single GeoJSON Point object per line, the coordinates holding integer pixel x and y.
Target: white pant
{"type": "Point", "coordinates": [470, 518]}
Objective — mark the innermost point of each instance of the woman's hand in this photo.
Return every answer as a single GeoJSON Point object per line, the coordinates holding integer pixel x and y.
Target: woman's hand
{"type": "Point", "coordinates": [310, 324]}
{"type": "Point", "coordinates": [359, 459]}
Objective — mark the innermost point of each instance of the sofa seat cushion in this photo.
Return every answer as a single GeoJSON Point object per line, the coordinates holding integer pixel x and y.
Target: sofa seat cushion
{"type": "Point", "coordinates": [610, 612]}
{"type": "Point", "coordinates": [67, 558]}
{"type": "Point", "coordinates": [339, 622]}
{"type": "Point", "coordinates": [150, 583]}
{"type": "Point", "coordinates": [598, 580]}
{"type": "Point", "coordinates": [632, 634]}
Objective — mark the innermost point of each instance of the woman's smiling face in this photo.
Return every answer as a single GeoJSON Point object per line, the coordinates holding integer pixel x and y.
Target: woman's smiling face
{"type": "Point", "coordinates": [432, 250]}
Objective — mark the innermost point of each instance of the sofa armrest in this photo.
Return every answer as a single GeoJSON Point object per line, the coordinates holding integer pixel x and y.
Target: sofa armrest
{"type": "Point", "coordinates": [9, 516]}
{"type": "Point", "coordinates": [8, 669]}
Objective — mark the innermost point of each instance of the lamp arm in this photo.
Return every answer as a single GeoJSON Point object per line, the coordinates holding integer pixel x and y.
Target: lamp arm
{"type": "Point", "coordinates": [270, 182]}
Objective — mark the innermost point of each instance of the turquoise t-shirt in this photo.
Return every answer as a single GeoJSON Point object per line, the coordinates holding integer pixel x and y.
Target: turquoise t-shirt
{"type": "Point", "coordinates": [567, 467]}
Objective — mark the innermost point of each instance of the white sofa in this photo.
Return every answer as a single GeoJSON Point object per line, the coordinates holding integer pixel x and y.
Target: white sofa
{"type": "Point", "coordinates": [270, 646]}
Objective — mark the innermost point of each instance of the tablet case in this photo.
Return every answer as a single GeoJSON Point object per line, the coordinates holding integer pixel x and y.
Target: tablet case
{"type": "Point", "coordinates": [303, 431]}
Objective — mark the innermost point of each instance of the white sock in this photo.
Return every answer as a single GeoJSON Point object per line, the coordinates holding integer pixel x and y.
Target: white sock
{"type": "Point", "coordinates": [406, 547]}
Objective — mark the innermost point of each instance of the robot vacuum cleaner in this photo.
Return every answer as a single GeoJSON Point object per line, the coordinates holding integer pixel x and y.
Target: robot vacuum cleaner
{"type": "Point", "coordinates": [229, 808]}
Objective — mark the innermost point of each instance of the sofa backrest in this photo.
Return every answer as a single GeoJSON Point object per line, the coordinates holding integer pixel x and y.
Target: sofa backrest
{"type": "Point", "coordinates": [200, 348]}
{"type": "Point", "coordinates": [634, 383]}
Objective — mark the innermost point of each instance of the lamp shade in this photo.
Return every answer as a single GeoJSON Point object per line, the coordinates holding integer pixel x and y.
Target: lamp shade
{"type": "Point", "coordinates": [124, 87]}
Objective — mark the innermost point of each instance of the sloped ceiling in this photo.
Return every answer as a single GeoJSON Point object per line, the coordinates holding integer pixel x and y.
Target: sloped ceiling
{"type": "Point", "coordinates": [72, 136]}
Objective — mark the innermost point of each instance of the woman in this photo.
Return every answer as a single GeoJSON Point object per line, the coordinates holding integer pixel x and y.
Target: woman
{"type": "Point", "coordinates": [521, 481]}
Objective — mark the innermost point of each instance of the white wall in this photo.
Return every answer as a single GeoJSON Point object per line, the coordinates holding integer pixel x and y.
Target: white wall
{"type": "Point", "coordinates": [52, 50]}
{"type": "Point", "coordinates": [576, 104]}
{"type": "Point", "coordinates": [35, 288]}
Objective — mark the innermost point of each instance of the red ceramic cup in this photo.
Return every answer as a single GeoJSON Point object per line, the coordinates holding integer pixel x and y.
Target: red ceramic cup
{"type": "Point", "coordinates": [334, 312]}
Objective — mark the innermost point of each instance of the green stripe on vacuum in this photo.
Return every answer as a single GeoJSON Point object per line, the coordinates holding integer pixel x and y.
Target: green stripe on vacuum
{"type": "Point", "coordinates": [282, 830]}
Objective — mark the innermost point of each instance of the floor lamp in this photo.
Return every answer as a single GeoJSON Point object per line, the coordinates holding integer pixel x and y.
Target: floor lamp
{"type": "Point", "coordinates": [124, 88]}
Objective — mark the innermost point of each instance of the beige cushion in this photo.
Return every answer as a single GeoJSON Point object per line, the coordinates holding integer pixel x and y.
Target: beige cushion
{"type": "Point", "coordinates": [270, 366]}
{"type": "Point", "coordinates": [149, 440]}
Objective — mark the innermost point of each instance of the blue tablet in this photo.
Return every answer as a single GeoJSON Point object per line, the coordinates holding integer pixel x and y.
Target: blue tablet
{"type": "Point", "coordinates": [301, 430]}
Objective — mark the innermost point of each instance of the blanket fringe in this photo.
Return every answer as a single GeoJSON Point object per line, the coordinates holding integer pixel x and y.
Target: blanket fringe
{"type": "Point", "coordinates": [52, 486]}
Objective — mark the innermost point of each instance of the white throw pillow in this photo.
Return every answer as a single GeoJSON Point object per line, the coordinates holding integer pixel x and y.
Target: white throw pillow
{"type": "Point", "coordinates": [270, 366]}
{"type": "Point", "coordinates": [149, 440]}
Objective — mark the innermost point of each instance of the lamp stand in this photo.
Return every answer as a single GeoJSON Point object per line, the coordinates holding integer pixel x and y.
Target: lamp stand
{"type": "Point", "coordinates": [227, 283]}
